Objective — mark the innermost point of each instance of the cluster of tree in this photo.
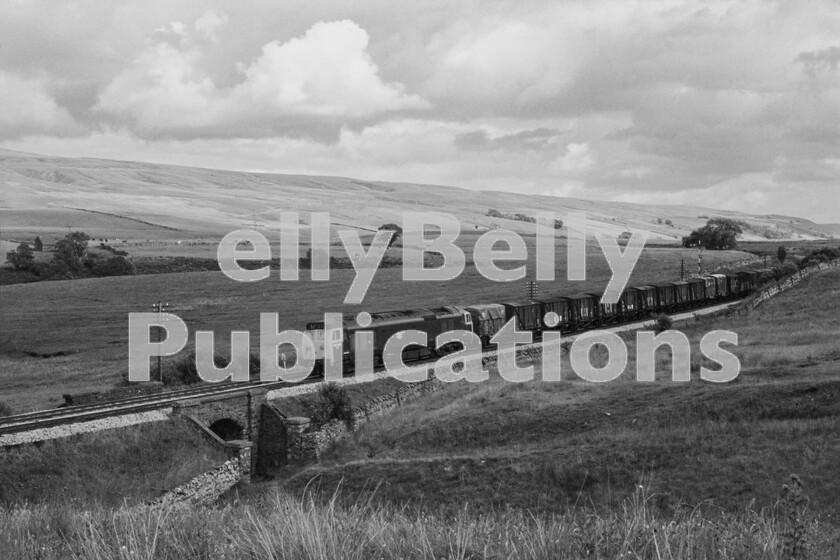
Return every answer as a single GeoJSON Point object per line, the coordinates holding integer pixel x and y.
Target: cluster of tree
{"type": "Point", "coordinates": [493, 213]}
{"type": "Point", "coordinates": [397, 233]}
{"type": "Point", "coordinates": [70, 259]}
{"type": "Point", "coordinates": [667, 222]}
{"type": "Point", "coordinates": [718, 233]}
{"type": "Point", "coordinates": [821, 255]}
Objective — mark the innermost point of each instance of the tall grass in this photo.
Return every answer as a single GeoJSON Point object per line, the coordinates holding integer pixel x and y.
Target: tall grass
{"type": "Point", "coordinates": [137, 463]}
{"type": "Point", "coordinates": [279, 527]}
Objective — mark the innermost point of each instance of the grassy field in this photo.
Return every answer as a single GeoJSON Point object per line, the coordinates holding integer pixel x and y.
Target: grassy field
{"type": "Point", "coordinates": [83, 324]}
{"type": "Point", "coordinates": [281, 526]}
{"type": "Point", "coordinates": [552, 446]}
{"type": "Point", "coordinates": [105, 469]}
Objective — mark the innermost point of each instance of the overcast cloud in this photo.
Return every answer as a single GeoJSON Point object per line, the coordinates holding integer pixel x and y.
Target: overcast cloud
{"type": "Point", "coordinates": [733, 105]}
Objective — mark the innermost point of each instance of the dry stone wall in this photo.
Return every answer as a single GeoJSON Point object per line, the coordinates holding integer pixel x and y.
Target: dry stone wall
{"type": "Point", "coordinates": [305, 441]}
{"type": "Point", "coordinates": [205, 488]}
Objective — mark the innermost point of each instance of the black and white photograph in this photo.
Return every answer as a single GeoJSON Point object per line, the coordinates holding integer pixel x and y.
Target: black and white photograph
{"type": "Point", "coordinates": [391, 280]}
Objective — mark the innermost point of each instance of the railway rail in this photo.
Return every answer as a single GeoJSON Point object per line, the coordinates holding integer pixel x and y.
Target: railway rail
{"type": "Point", "coordinates": [138, 404]}
{"type": "Point", "coordinates": [95, 411]}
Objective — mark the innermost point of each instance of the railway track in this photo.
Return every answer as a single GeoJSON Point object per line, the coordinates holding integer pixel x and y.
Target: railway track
{"type": "Point", "coordinates": [161, 401]}
{"type": "Point", "coordinates": [158, 401]}
{"type": "Point", "coordinates": [95, 411]}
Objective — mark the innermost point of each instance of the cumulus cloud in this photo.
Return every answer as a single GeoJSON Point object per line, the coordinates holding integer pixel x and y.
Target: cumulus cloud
{"type": "Point", "coordinates": [326, 74]}
{"type": "Point", "coordinates": [671, 101]}
{"type": "Point", "coordinates": [27, 108]}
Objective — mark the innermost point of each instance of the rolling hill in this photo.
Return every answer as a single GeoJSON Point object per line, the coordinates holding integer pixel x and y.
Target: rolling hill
{"type": "Point", "coordinates": [46, 196]}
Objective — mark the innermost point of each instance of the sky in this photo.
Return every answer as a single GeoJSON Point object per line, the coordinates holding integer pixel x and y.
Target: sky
{"type": "Point", "coordinates": [731, 105]}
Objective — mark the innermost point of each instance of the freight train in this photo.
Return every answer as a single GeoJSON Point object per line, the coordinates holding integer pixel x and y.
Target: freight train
{"type": "Point", "coordinates": [567, 314]}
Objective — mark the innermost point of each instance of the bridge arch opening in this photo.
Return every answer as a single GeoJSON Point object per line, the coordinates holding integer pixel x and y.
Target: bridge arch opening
{"type": "Point", "coordinates": [227, 429]}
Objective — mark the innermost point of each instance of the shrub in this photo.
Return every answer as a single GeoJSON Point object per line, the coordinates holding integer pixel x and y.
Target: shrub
{"type": "Point", "coordinates": [662, 323]}
{"type": "Point", "coordinates": [785, 270]}
{"type": "Point", "coordinates": [5, 410]}
{"type": "Point", "coordinates": [333, 404]}
{"type": "Point", "coordinates": [21, 258]}
{"type": "Point", "coordinates": [185, 373]}
{"type": "Point", "coordinates": [821, 255]}
{"type": "Point", "coordinates": [115, 266]}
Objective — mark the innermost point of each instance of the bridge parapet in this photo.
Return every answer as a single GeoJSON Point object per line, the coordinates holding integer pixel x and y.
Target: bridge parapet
{"type": "Point", "coordinates": [230, 417]}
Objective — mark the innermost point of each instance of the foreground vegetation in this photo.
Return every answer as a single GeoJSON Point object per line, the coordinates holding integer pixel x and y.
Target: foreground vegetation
{"type": "Point", "coordinates": [107, 468]}
{"type": "Point", "coordinates": [280, 526]}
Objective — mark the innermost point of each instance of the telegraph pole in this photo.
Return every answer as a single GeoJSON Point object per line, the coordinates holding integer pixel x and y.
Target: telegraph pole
{"type": "Point", "coordinates": [682, 269]}
{"type": "Point", "coordinates": [700, 262]}
{"type": "Point", "coordinates": [531, 289]}
{"type": "Point", "coordinates": [159, 308]}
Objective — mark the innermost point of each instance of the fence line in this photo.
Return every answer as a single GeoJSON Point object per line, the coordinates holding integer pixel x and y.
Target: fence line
{"type": "Point", "coordinates": [784, 284]}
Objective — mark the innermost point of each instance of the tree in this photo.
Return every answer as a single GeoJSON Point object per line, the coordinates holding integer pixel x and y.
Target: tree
{"type": "Point", "coordinates": [718, 233]}
{"type": "Point", "coordinates": [71, 251]}
{"type": "Point", "coordinates": [397, 232]}
{"type": "Point", "coordinates": [333, 403]}
{"type": "Point", "coordinates": [662, 323]}
{"type": "Point", "coordinates": [781, 254]}
{"type": "Point", "coordinates": [22, 257]}
{"type": "Point", "coordinates": [39, 245]}
{"type": "Point", "coordinates": [116, 266]}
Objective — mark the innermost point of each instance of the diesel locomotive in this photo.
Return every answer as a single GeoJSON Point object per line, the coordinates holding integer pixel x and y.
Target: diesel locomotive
{"type": "Point", "coordinates": [565, 313]}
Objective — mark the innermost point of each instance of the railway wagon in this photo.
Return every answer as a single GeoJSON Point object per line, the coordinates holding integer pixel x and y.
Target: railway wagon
{"type": "Point", "coordinates": [527, 314]}
{"type": "Point", "coordinates": [647, 299]}
{"type": "Point", "coordinates": [711, 286]}
{"type": "Point", "coordinates": [765, 275]}
{"type": "Point", "coordinates": [583, 313]}
{"type": "Point", "coordinates": [697, 291]}
{"type": "Point", "coordinates": [605, 313]}
{"type": "Point", "coordinates": [733, 286]}
{"type": "Point", "coordinates": [560, 306]}
{"type": "Point", "coordinates": [682, 298]}
{"type": "Point", "coordinates": [629, 304]}
{"type": "Point", "coordinates": [666, 297]}
{"type": "Point", "coordinates": [487, 319]}
{"type": "Point", "coordinates": [721, 286]}
{"type": "Point", "coordinates": [748, 281]}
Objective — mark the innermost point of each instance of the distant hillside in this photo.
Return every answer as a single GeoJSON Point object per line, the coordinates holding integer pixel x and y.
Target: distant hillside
{"type": "Point", "coordinates": [47, 195]}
